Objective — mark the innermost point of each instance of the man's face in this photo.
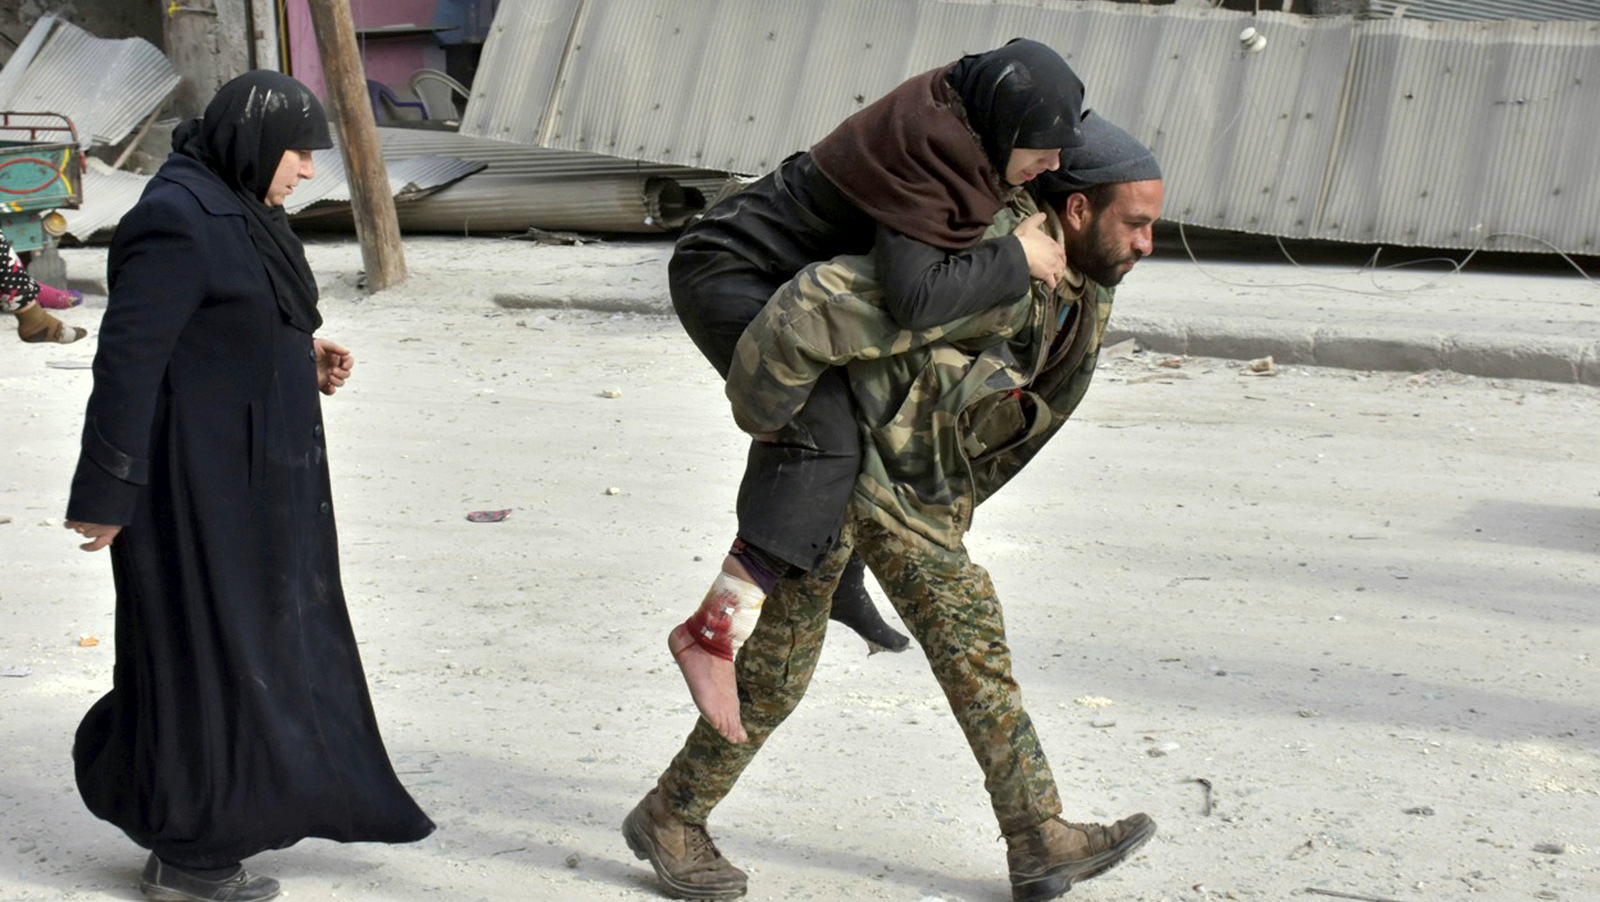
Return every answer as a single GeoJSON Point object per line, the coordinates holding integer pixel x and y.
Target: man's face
{"type": "Point", "coordinates": [1104, 244]}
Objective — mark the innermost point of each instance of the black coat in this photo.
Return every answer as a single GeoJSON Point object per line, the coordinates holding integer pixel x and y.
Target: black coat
{"type": "Point", "coordinates": [238, 719]}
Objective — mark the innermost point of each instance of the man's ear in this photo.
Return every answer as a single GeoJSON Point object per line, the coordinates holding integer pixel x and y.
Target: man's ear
{"type": "Point", "coordinates": [1076, 212]}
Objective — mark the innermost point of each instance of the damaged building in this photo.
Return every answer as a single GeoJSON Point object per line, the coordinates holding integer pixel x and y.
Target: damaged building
{"type": "Point", "coordinates": [1430, 123]}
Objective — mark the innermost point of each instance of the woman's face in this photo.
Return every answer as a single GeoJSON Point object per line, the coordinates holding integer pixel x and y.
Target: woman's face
{"type": "Point", "coordinates": [295, 165]}
{"type": "Point", "coordinates": [1026, 164]}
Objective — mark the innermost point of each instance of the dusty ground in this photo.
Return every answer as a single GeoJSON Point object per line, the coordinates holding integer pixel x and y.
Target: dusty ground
{"type": "Point", "coordinates": [1363, 607]}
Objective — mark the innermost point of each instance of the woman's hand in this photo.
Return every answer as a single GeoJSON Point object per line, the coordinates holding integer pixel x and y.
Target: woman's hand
{"type": "Point", "coordinates": [100, 535]}
{"type": "Point", "coordinates": [334, 364]}
{"type": "Point", "coordinates": [1047, 260]}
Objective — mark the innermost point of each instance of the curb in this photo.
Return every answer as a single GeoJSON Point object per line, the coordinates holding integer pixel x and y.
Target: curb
{"type": "Point", "coordinates": [1537, 357]}
{"type": "Point", "coordinates": [597, 304]}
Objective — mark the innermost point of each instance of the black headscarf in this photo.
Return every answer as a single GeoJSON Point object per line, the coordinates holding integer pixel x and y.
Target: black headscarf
{"type": "Point", "coordinates": [246, 128]}
{"type": "Point", "coordinates": [1021, 95]}
{"type": "Point", "coordinates": [909, 159]}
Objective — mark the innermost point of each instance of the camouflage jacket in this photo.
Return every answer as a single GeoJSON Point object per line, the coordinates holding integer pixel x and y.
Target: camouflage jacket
{"type": "Point", "coordinates": [947, 414]}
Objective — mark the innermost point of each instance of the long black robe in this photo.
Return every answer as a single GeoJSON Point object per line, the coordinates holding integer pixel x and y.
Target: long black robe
{"type": "Point", "coordinates": [239, 719]}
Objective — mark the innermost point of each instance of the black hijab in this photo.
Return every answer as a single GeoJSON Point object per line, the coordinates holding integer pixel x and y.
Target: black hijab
{"type": "Point", "coordinates": [909, 159]}
{"type": "Point", "coordinates": [246, 128]}
{"type": "Point", "coordinates": [1020, 95]}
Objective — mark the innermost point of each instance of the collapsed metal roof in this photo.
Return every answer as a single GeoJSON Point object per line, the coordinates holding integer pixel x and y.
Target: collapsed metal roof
{"type": "Point", "coordinates": [409, 179]}
{"type": "Point", "coordinates": [111, 87]}
{"type": "Point", "coordinates": [443, 182]}
{"type": "Point", "coordinates": [522, 187]}
{"type": "Point", "coordinates": [110, 193]}
{"type": "Point", "coordinates": [1438, 134]}
{"type": "Point", "coordinates": [106, 87]}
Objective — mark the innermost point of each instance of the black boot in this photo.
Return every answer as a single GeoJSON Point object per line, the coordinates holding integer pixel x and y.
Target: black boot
{"type": "Point", "coordinates": [853, 607]}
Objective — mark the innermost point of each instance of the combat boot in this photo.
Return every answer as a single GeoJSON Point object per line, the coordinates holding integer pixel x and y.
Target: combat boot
{"type": "Point", "coordinates": [683, 855]}
{"type": "Point", "coordinates": [1046, 860]}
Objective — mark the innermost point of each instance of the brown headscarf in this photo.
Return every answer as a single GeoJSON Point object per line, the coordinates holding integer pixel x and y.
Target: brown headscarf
{"type": "Point", "coordinates": [928, 159]}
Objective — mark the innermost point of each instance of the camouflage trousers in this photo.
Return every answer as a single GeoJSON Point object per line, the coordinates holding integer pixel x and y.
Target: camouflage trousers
{"type": "Point", "coordinates": [949, 605]}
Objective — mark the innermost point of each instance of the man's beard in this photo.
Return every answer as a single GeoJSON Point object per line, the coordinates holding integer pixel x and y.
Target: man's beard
{"type": "Point", "coordinates": [1097, 258]}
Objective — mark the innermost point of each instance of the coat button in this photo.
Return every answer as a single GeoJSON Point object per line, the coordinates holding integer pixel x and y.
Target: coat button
{"type": "Point", "coordinates": [311, 353]}
{"type": "Point", "coordinates": [317, 430]}
{"type": "Point", "coordinates": [324, 507]}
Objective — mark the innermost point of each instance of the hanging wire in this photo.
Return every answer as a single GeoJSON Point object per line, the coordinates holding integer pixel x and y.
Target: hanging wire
{"type": "Point", "coordinates": [1372, 267]}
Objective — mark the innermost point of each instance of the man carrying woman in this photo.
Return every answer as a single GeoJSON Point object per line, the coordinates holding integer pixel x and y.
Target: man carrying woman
{"type": "Point", "coordinates": [949, 414]}
{"type": "Point", "coordinates": [915, 179]}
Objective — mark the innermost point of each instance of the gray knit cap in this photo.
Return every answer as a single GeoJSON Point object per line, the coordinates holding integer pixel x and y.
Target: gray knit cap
{"type": "Point", "coordinates": [1108, 155]}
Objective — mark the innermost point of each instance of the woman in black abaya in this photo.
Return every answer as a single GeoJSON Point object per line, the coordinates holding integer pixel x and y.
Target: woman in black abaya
{"type": "Point", "coordinates": [238, 719]}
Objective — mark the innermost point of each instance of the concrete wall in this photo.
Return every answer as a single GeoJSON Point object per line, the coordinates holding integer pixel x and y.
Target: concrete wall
{"type": "Point", "coordinates": [214, 48]}
{"type": "Point", "coordinates": [102, 18]}
{"type": "Point", "coordinates": [207, 50]}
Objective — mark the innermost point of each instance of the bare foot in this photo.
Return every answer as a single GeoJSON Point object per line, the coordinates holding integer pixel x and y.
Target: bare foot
{"type": "Point", "coordinates": [712, 683]}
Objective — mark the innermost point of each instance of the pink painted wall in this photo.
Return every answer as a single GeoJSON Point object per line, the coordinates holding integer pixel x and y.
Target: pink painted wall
{"type": "Point", "coordinates": [304, 62]}
{"type": "Point", "coordinates": [368, 13]}
{"type": "Point", "coordinates": [389, 60]}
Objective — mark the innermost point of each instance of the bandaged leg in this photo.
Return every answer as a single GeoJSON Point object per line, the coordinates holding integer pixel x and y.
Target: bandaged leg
{"type": "Point", "coordinates": [705, 645]}
{"type": "Point", "coordinates": [727, 616]}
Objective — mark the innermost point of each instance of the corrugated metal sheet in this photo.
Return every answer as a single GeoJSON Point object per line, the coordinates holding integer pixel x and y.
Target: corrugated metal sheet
{"type": "Point", "coordinates": [524, 187]}
{"type": "Point", "coordinates": [1243, 138]}
{"type": "Point", "coordinates": [108, 88]}
{"type": "Point", "coordinates": [110, 193]}
{"type": "Point", "coordinates": [408, 179]}
{"type": "Point", "coordinates": [447, 183]}
{"type": "Point", "coordinates": [1479, 10]}
{"type": "Point", "coordinates": [489, 203]}
{"type": "Point", "coordinates": [517, 70]}
{"type": "Point", "coordinates": [107, 194]}
{"type": "Point", "coordinates": [719, 84]}
{"type": "Point", "coordinates": [1461, 134]}
{"type": "Point", "coordinates": [1314, 137]}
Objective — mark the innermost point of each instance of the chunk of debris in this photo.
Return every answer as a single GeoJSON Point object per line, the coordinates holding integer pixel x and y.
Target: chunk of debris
{"type": "Point", "coordinates": [1262, 366]}
{"type": "Point", "coordinates": [1125, 348]}
{"type": "Point", "coordinates": [562, 239]}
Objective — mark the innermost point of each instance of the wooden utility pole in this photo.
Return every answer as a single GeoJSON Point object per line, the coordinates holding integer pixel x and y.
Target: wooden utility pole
{"type": "Point", "coordinates": [371, 202]}
{"type": "Point", "coordinates": [192, 31]}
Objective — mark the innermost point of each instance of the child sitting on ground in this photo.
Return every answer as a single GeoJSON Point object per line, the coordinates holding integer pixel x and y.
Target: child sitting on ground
{"type": "Point", "coordinates": [21, 295]}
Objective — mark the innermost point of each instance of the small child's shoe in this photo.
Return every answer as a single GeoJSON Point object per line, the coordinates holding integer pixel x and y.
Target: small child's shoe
{"type": "Point", "coordinates": [35, 326]}
{"type": "Point", "coordinates": [58, 298]}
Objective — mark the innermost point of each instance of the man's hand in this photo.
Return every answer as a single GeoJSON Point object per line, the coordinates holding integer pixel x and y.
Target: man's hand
{"type": "Point", "coordinates": [334, 364]}
{"type": "Point", "coordinates": [100, 535]}
{"type": "Point", "coordinates": [1047, 260]}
